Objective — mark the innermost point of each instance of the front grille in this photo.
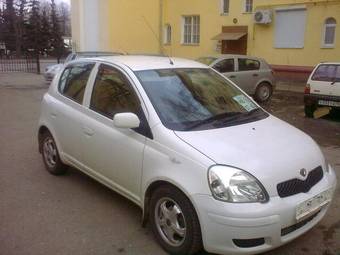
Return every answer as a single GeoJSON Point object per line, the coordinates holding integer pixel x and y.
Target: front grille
{"type": "Point", "coordinates": [290, 229]}
{"type": "Point", "coordinates": [248, 243]}
{"type": "Point", "coordinates": [296, 186]}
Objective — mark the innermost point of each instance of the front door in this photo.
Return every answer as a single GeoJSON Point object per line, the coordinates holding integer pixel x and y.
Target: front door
{"type": "Point", "coordinates": [235, 46]}
{"type": "Point", "coordinates": [114, 155]}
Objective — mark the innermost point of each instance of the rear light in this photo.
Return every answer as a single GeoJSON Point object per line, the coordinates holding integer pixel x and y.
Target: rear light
{"type": "Point", "coordinates": [307, 89]}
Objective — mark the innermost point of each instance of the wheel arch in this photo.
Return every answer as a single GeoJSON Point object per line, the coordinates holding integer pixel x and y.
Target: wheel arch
{"type": "Point", "coordinates": [155, 185]}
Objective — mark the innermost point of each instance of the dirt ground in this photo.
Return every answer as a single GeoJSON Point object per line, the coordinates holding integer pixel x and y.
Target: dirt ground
{"type": "Point", "coordinates": [73, 214]}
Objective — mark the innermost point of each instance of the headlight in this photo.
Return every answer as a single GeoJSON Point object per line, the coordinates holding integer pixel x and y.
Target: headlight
{"type": "Point", "coordinates": [234, 185]}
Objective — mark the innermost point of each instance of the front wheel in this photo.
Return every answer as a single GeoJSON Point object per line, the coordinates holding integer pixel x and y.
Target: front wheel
{"type": "Point", "coordinates": [174, 222]}
{"type": "Point", "coordinates": [263, 92]}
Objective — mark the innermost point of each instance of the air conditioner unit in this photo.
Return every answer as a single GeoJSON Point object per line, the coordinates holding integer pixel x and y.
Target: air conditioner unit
{"type": "Point", "coordinates": [263, 16]}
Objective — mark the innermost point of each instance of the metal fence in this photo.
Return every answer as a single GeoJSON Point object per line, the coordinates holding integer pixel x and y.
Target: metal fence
{"type": "Point", "coordinates": [27, 64]}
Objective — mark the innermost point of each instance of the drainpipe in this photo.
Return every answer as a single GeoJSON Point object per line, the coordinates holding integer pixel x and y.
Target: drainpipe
{"type": "Point", "coordinates": [161, 5]}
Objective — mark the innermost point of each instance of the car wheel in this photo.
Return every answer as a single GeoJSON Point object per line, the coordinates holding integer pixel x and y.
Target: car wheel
{"type": "Point", "coordinates": [50, 155]}
{"type": "Point", "coordinates": [309, 110]}
{"type": "Point", "coordinates": [174, 222]}
{"type": "Point", "coordinates": [263, 92]}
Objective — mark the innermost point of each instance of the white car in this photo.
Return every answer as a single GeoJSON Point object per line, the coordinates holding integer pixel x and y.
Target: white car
{"type": "Point", "coordinates": [209, 167]}
{"type": "Point", "coordinates": [323, 88]}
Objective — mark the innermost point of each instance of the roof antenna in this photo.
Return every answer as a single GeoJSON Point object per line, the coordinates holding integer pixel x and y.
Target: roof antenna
{"type": "Point", "coordinates": [158, 39]}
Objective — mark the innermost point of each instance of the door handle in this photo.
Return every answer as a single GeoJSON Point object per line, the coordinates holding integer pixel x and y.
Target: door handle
{"type": "Point", "coordinates": [232, 76]}
{"type": "Point", "coordinates": [255, 75]}
{"type": "Point", "coordinates": [88, 131]}
{"type": "Point", "coordinates": [53, 115]}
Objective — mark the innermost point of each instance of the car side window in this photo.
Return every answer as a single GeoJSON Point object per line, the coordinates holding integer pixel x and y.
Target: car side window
{"type": "Point", "coordinates": [328, 73]}
{"type": "Point", "coordinates": [73, 81]}
{"type": "Point", "coordinates": [245, 64]}
{"type": "Point", "coordinates": [225, 66]}
{"type": "Point", "coordinates": [112, 93]}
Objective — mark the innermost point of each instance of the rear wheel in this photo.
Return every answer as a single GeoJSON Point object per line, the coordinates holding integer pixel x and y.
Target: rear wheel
{"type": "Point", "coordinates": [309, 110]}
{"type": "Point", "coordinates": [263, 92]}
{"type": "Point", "coordinates": [50, 155]}
{"type": "Point", "coordinates": [174, 222]}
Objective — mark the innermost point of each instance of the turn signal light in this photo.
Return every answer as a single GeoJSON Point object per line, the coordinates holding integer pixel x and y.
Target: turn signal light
{"type": "Point", "coordinates": [307, 89]}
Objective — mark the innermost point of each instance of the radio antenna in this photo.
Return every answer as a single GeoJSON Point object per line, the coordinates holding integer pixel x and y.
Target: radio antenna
{"type": "Point", "coordinates": [158, 39]}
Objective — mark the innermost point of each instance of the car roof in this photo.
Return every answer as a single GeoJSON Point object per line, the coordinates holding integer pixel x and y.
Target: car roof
{"type": "Point", "coordinates": [138, 63]}
{"type": "Point", "coordinates": [223, 56]}
{"type": "Point", "coordinates": [329, 63]}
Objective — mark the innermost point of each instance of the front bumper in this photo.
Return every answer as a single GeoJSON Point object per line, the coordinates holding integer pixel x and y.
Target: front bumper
{"type": "Point", "coordinates": [49, 76]}
{"type": "Point", "coordinates": [260, 226]}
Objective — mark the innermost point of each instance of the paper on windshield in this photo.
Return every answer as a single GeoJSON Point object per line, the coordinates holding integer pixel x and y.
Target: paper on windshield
{"type": "Point", "coordinates": [247, 104]}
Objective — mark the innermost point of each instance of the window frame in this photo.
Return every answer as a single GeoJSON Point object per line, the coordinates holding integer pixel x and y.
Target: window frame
{"type": "Point", "coordinates": [325, 27]}
{"type": "Point", "coordinates": [223, 10]}
{"type": "Point", "coordinates": [248, 6]}
{"type": "Point", "coordinates": [252, 70]}
{"type": "Point", "coordinates": [167, 34]}
{"type": "Point", "coordinates": [193, 32]}
{"type": "Point", "coordinates": [88, 83]}
{"type": "Point", "coordinates": [124, 77]}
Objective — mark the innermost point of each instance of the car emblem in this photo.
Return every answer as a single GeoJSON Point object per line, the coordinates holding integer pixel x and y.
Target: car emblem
{"type": "Point", "coordinates": [303, 172]}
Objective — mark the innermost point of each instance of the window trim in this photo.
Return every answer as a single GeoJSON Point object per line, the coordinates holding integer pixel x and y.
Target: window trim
{"type": "Point", "coordinates": [325, 26]}
{"type": "Point", "coordinates": [245, 5]}
{"type": "Point", "coordinates": [88, 83]}
{"type": "Point", "coordinates": [222, 8]}
{"type": "Point", "coordinates": [191, 43]}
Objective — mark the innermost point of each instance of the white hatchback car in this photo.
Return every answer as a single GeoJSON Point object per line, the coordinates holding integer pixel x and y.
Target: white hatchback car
{"type": "Point", "coordinates": [209, 168]}
{"type": "Point", "coordinates": [323, 88]}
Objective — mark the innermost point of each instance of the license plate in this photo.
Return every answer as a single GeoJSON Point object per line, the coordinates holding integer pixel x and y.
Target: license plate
{"type": "Point", "coordinates": [313, 204]}
{"type": "Point", "coordinates": [329, 103]}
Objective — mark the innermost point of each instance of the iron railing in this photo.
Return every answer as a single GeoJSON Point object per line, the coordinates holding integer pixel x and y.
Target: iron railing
{"type": "Point", "coordinates": [27, 64]}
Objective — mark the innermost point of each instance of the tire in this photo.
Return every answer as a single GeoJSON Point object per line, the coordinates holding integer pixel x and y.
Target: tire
{"type": "Point", "coordinates": [264, 92]}
{"type": "Point", "coordinates": [180, 214]}
{"type": "Point", "coordinates": [50, 155]}
{"type": "Point", "coordinates": [309, 111]}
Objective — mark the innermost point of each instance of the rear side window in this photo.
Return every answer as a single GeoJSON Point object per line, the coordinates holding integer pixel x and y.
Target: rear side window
{"type": "Point", "coordinates": [225, 66]}
{"type": "Point", "coordinates": [328, 73]}
{"type": "Point", "coordinates": [245, 64]}
{"type": "Point", "coordinates": [73, 81]}
{"type": "Point", "coordinates": [112, 93]}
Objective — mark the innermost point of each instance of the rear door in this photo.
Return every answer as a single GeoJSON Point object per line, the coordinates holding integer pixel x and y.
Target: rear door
{"type": "Point", "coordinates": [68, 109]}
{"type": "Point", "coordinates": [247, 74]}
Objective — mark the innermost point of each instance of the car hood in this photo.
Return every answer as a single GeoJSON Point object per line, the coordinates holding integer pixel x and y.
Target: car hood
{"type": "Point", "coordinates": [271, 150]}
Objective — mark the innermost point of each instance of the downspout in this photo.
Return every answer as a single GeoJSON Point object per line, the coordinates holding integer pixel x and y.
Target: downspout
{"type": "Point", "coordinates": [161, 5]}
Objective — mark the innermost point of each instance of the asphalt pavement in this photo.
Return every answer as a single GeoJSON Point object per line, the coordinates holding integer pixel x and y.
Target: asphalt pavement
{"type": "Point", "coordinates": [73, 214]}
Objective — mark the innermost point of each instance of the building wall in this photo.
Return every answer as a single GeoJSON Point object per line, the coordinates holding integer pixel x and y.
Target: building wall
{"type": "Point", "coordinates": [260, 37]}
{"type": "Point", "coordinates": [136, 26]}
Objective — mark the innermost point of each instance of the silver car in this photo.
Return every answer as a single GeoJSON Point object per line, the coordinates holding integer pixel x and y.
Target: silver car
{"type": "Point", "coordinates": [52, 70]}
{"type": "Point", "coordinates": [253, 75]}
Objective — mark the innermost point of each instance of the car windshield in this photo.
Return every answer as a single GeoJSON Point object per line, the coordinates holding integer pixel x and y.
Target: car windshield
{"type": "Point", "coordinates": [197, 99]}
{"type": "Point", "coordinates": [207, 61]}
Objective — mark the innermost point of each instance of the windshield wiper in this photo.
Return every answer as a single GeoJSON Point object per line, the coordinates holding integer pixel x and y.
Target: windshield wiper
{"type": "Point", "coordinates": [214, 118]}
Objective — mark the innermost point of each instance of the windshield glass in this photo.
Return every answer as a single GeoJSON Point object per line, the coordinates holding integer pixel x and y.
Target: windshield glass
{"type": "Point", "coordinates": [197, 99]}
{"type": "Point", "coordinates": [207, 61]}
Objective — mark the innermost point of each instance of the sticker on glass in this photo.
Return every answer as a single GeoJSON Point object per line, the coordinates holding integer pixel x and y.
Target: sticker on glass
{"type": "Point", "coordinates": [247, 104]}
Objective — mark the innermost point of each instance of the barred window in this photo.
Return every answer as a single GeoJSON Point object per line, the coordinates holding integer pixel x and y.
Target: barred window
{"type": "Point", "coordinates": [248, 6]}
{"type": "Point", "coordinates": [167, 34]}
{"type": "Point", "coordinates": [191, 30]}
{"type": "Point", "coordinates": [225, 6]}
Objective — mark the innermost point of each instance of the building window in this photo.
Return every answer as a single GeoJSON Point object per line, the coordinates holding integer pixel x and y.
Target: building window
{"type": "Point", "coordinates": [191, 30]}
{"type": "Point", "coordinates": [290, 25]}
{"type": "Point", "coordinates": [224, 7]}
{"type": "Point", "coordinates": [248, 6]}
{"type": "Point", "coordinates": [167, 34]}
{"type": "Point", "coordinates": [329, 32]}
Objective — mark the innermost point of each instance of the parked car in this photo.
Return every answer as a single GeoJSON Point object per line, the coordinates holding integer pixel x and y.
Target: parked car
{"type": "Point", "coordinates": [52, 70]}
{"type": "Point", "coordinates": [208, 166]}
{"type": "Point", "coordinates": [253, 75]}
{"type": "Point", "coordinates": [323, 88]}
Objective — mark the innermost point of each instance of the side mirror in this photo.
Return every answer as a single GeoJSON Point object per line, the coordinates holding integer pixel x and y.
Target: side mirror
{"type": "Point", "coordinates": [126, 120]}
